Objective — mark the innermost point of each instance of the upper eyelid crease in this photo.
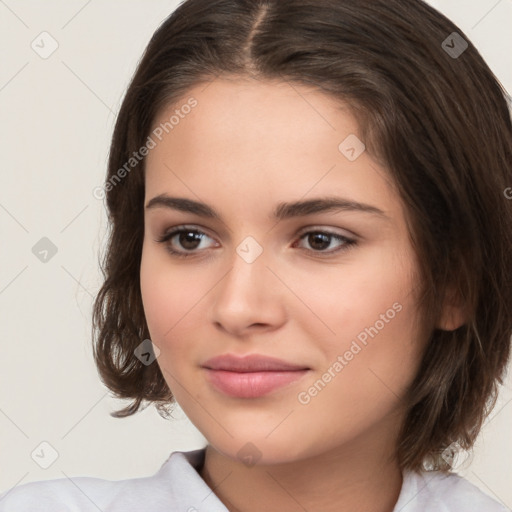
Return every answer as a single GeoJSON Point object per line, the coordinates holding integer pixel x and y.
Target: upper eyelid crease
{"type": "Point", "coordinates": [306, 230]}
{"type": "Point", "coordinates": [348, 241]}
{"type": "Point", "coordinates": [170, 233]}
{"type": "Point", "coordinates": [281, 212]}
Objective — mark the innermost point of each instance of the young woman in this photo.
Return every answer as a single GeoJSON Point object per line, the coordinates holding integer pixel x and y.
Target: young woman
{"type": "Point", "coordinates": [310, 252]}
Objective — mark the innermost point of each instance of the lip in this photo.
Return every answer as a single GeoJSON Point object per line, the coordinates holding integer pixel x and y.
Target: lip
{"type": "Point", "coordinates": [251, 363]}
{"type": "Point", "coordinates": [251, 376]}
{"type": "Point", "coordinates": [251, 384]}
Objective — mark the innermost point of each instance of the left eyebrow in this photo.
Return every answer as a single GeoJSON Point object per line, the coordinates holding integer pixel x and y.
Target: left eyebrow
{"type": "Point", "coordinates": [323, 204]}
{"type": "Point", "coordinates": [282, 211]}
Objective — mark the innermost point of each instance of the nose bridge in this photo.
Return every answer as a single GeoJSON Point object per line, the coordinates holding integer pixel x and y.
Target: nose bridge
{"type": "Point", "coordinates": [248, 274]}
{"type": "Point", "coordinates": [245, 295]}
{"type": "Point", "coordinates": [249, 250]}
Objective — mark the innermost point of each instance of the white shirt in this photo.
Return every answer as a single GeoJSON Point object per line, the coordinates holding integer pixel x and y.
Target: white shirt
{"type": "Point", "coordinates": [178, 486]}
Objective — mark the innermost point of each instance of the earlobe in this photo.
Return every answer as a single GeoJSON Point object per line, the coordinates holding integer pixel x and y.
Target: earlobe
{"type": "Point", "coordinates": [453, 314]}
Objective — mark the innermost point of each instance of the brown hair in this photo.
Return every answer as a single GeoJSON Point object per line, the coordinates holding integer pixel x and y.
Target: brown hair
{"type": "Point", "coordinates": [439, 122]}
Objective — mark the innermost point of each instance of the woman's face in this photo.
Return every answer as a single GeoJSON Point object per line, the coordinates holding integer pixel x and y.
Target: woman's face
{"type": "Point", "coordinates": [332, 290]}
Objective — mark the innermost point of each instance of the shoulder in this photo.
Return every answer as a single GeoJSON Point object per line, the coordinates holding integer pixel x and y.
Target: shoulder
{"type": "Point", "coordinates": [176, 486]}
{"type": "Point", "coordinates": [441, 492]}
{"type": "Point", "coordinates": [88, 494]}
{"type": "Point", "coordinates": [63, 494]}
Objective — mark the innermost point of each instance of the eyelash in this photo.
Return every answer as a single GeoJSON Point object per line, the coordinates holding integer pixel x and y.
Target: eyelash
{"type": "Point", "coordinates": [348, 243]}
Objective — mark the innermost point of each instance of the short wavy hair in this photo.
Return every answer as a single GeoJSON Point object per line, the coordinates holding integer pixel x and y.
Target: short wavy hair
{"type": "Point", "coordinates": [429, 109]}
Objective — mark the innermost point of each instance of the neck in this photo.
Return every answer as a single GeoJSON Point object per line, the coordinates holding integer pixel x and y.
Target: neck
{"type": "Point", "coordinates": [356, 478]}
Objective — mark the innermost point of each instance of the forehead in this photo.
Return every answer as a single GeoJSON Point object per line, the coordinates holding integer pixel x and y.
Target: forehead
{"type": "Point", "coordinates": [257, 139]}
{"type": "Point", "coordinates": [226, 92]}
{"type": "Point", "coordinates": [282, 115]}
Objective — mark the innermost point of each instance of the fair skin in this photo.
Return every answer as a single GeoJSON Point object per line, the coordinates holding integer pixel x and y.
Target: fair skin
{"type": "Point", "coordinates": [247, 146]}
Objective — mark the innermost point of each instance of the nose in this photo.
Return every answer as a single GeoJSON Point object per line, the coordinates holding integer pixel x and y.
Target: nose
{"type": "Point", "coordinates": [249, 298]}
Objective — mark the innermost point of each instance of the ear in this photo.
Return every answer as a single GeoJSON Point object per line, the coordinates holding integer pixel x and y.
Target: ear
{"type": "Point", "coordinates": [453, 313]}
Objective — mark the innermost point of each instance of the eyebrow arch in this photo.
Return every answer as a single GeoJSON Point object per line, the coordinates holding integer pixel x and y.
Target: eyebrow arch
{"type": "Point", "coordinates": [281, 212]}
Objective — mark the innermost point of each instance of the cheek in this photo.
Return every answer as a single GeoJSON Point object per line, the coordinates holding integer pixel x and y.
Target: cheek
{"type": "Point", "coordinates": [368, 317]}
{"type": "Point", "coordinates": [352, 295]}
{"type": "Point", "coordinates": [164, 302]}
{"type": "Point", "coordinates": [172, 298]}
{"type": "Point", "coordinates": [166, 294]}
{"type": "Point", "coordinates": [367, 368]}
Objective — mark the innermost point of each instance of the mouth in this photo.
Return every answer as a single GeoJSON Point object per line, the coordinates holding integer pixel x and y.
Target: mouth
{"type": "Point", "coordinates": [251, 376]}
{"type": "Point", "coordinates": [251, 363]}
{"type": "Point", "coordinates": [251, 384]}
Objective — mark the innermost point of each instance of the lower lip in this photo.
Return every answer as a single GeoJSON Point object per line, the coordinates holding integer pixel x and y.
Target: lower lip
{"type": "Point", "coordinates": [251, 384]}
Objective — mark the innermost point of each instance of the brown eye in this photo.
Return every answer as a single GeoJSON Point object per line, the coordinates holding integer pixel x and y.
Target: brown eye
{"type": "Point", "coordinates": [183, 241]}
{"type": "Point", "coordinates": [319, 241]}
{"type": "Point", "coordinates": [189, 239]}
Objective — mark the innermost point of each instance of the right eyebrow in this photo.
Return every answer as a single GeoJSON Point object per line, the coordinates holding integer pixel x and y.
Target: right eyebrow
{"type": "Point", "coordinates": [282, 211]}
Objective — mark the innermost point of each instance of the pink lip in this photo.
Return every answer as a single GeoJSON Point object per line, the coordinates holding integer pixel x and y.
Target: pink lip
{"type": "Point", "coordinates": [251, 384]}
{"type": "Point", "coordinates": [251, 376]}
{"type": "Point", "coordinates": [250, 363]}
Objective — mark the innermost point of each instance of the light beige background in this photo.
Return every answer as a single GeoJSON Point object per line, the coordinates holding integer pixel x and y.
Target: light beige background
{"type": "Point", "coordinates": [57, 116]}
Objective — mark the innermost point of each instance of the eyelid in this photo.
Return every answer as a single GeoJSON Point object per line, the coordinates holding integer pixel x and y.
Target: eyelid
{"type": "Point", "coordinates": [329, 230]}
{"type": "Point", "coordinates": [192, 227]}
{"type": "Point", "coordinates": [349, 240]}
{"type": "Point", "coordinates": [304, 230]}
{"type": "Point", "coordinates": [184, 227]}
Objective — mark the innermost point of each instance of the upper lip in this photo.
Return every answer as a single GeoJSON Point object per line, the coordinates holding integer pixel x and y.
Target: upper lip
{"type": "Point", "coordinates": [250, 363]}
